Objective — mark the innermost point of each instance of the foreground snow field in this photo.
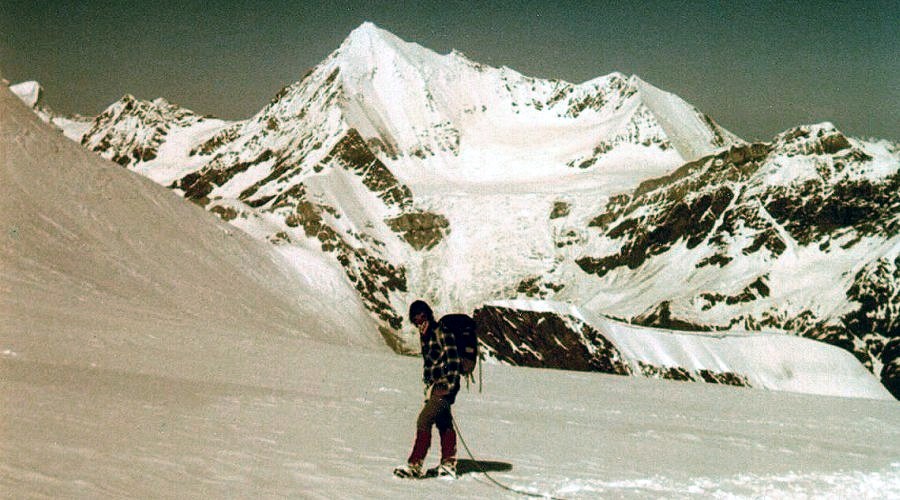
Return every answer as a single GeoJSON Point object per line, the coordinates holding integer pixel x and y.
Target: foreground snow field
{"type": "Point", "coordinates": [147, 352]}
{"type": "Point", "coordinates": [308, 420]}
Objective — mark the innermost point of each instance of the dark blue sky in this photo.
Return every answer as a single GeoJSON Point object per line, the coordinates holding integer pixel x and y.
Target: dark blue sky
{"type": "Point", "coordinates": [757, 68]}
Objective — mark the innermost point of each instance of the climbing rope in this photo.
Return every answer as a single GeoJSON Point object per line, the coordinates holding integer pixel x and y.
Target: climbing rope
{"type": "Point", "coordinates": [497, 483]}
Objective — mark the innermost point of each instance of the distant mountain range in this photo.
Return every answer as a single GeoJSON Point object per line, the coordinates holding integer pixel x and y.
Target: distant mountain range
{"type": "Point", "coordinates": [433, 176]}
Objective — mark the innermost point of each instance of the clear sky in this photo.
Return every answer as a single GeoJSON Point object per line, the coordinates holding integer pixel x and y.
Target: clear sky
{"type": "Point", "coordinates": [757, 68]}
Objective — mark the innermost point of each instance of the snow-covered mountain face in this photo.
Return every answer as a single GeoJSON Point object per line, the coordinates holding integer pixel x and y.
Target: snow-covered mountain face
{"type": "Point", "coordinates": [433, 176]}
{"type": "Point", "coordinates": [132, 131]}
{"type": "Point", "coordinates": [798, 235]}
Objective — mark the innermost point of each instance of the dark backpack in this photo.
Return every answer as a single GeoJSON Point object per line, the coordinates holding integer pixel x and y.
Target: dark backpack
{"type": "Point", "coordinates": [463, 329]}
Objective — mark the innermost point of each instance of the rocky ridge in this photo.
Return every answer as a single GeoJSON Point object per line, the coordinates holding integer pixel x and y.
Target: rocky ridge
{"type": "Point", "coordinates": [800, 235]}
{"type": "Point", "coordinates": [549, 334]}
{"type": "Point", "coordinates": [132, 131]}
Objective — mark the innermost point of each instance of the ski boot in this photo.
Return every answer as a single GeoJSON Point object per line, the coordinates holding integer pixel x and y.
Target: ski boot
{"type": "Point", "coordinates": [446, 469]}
{"type": "Point", "coordinates": [411, 470]}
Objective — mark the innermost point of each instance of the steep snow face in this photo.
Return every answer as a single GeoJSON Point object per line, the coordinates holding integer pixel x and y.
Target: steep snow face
{"type": "Point", "coordinates": [473, 123]}
{"type": "Point", "coordinates": [90, 247]}
{"type": "Point", "coordinates": [693, 134]}
{"type": "Point", "coordinates": [525, 332]}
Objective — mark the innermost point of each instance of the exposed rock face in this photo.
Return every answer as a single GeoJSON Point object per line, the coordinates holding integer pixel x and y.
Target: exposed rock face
{"type": "Point", "coordinates": [890, 374]}
{"type": "Point", "coordinates": [226, 213]}
{"type": "Point", "coordinates": [198, 185]}
{"type": "Point", "coordinates": [560, 209]}
{"type": "Point", "coordinates": [561, 341]}
{"type": "Point", "coordinates": [685, 375]}
{"type": "Point", "coordinates": [753, 291]}
{"type": "Point", "coordinates": [352, 153]}
{"type": "Point", "coordinates": [222, 138]}
{"type": "Point", "coordinates": [546, 340]}
{"type": "Point", "coordinates": [535, 287]}
{"type": "Point", "coordinates": [684, 206]}
{"type": "Point", "coordinates": [422, 230]}
{"type": "Point", "coordinates": [876, 321]}
{"type": "Point", "coordinates": [661, 316]}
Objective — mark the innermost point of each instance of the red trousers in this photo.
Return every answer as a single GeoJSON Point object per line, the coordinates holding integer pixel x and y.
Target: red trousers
{"type": "Point", "coordinates": [435, 413]}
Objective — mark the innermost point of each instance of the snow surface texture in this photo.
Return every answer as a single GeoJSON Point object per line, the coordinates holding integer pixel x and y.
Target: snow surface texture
{"type": "Point", "coordinates": [202, 388]}
{"type": "Point", "coordinates": [284, 419]}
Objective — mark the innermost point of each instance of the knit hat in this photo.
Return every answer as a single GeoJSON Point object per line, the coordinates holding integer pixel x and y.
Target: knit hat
{"type": "Point", "coordinates": [419, 307]}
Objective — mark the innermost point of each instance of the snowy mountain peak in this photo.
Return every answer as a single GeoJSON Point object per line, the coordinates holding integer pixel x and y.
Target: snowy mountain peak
{"type": "Point", "coordinates": [29, 92]}
{"type": "Point", "coordinates": [353, 157]}
{"type": "Point", "coordinates": [803, 131]}
{"type": "Point", "coordinates": [158, 109]}
{"type": "Point", "coordinates": [825, 142]}
{"type": "Point", "coordinates": [368, 47]}
{"type": "Point", "coordinates": [606, 80]}
{"type": "Point", "coordinates": [132, 130]}
{"type": "Point", "coordinates": [368, 34]}
{"type": "Point", "coordinates": [448, 110]}
{"type": "Point", "coordinates": [692, 133]}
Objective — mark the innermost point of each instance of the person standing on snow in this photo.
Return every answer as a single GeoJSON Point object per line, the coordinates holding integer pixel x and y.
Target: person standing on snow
{"type": "Point", "coordinates": [441, 373]}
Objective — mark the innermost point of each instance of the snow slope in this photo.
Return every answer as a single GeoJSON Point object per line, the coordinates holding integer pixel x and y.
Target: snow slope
{"type": "Point", "coordinates": [765, 360]}
{"type": "Point", "coordinates": [149, 351]}
{"type": "Point", "coordinates": [89, 245]}
{"type": "Point", "coordinates": [285, 419]}
{"type": "Point", "coordinates": [74, 127]}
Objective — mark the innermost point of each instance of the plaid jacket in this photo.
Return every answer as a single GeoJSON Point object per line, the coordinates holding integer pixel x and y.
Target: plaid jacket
{"type": "Point", "coordinates": [441, 360]}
